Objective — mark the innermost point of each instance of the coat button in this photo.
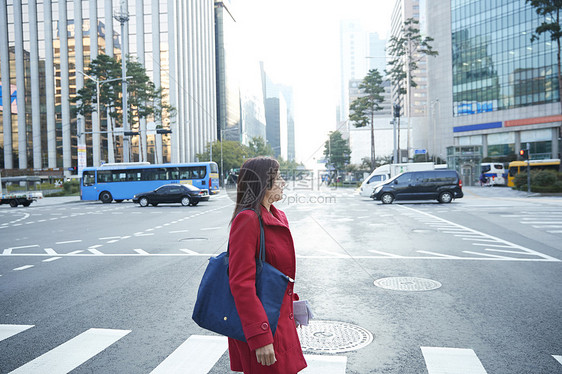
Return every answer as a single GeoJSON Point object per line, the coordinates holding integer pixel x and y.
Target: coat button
{"type": "Point", "coordinates": [264, 326]}
{"type": "Point", "coordinates": [290, 293]}
{"type": "Point", "coordinates": [291, 315]}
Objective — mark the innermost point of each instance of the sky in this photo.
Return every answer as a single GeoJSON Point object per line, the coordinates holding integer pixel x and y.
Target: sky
{"type": "Point", "coordinates": [298, 41]}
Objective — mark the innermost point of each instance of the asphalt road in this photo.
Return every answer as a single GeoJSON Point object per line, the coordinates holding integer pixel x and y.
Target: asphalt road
{"type": "Point", "coordinates": [119, 282]}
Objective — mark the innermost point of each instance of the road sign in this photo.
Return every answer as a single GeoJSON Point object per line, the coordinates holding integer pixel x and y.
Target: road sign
{"type": "Point", "coordinates": [420, 151]}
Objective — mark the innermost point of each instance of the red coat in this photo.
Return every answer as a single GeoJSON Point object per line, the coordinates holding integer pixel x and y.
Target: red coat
{"type": "Point", "coordinates": [280, 253]}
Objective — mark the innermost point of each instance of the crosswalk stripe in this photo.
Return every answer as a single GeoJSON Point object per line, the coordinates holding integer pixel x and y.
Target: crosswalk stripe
{"type": "Point", "coordinates": [10, 330]}
{"type": "Point", "coordinates": [452, 361]}
{"type": "Point", "coordinates": [73, 353]}
{"type": "Point", "coordinates": [325, 364]}
{"type": "Point", "coordinates": [197, 355]}
{"type": "Point", "coordinates": [557, 358]}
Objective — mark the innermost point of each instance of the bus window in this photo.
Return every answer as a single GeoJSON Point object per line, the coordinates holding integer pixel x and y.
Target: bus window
{"type": "Point", "coordinates": [486, 168]}
{"type": "Point", "coordinates": [89, 178]}
{"type": "Point", "coordinates": [133, 175]}
{"type": "Point", "coordinates": [214, 168]}
{"type": "Point", "coordinates": [498, 166]}
{"type": "Point", "coordinates": [513, 170]}
{"type": "Point", "coordinates": [183, 173]}
{"type": "Point", "coordinates": [119, 176]}
{"type": "Point", "coordinates": [104, 176]}
{"type": "Point", "coordinates": [173, 173]}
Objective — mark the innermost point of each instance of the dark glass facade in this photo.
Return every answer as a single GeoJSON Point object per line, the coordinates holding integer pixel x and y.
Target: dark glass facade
{"type": "Point", "coordinates": [495, 65]}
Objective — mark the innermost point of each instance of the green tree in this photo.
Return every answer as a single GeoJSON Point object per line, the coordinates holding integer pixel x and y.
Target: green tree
{"type": "Point", "coordinates": [143, 98]}
{"type": "Point", "coordinates": [259, 147]}
{"type": "Point", "coordinates": [233, 154]}
{"type": "Point", "coordinates": [406, 49]}
{"type": "Point", "coordinates": [362, 110]}
{"type": "Point", "coordinates": [550, 11]}
{"type": "Point", "coordinates": [337, 151]}
{"type": "Point", "coordinates": [102, 68]}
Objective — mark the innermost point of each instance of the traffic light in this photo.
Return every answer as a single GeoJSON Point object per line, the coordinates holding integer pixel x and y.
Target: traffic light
{"type": "Point", "coordinates": [396, 108]}
{"type": "Point", "coordinates": [129, 133]}
{"type": "Point", "coordinates": [163, 131]}
{"type": "Point", "coordinates": [524, 153]}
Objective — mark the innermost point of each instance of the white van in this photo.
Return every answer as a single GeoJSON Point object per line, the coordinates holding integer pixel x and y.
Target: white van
{"type": "Point", "coordinates": [379, 175]}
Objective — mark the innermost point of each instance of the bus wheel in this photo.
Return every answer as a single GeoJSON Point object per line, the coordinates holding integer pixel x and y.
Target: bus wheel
{"type": "Point", "coordinates": [106, 197]}
{"type": "Point", "coordinates": [185, 201]}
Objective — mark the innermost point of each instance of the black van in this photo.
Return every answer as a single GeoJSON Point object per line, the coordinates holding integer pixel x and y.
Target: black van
{"type": "Point", "coordinates": [441, 185]}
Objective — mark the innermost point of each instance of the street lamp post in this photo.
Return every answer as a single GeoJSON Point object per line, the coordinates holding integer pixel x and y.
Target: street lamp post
{"type": "Point", "coordinates": [98, 87]}
{"type": "Point", "coordinates": [123, 17]}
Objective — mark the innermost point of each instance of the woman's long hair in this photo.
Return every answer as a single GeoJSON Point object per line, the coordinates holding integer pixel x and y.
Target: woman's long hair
{"type": "Point", "coordinates": [256, 176]}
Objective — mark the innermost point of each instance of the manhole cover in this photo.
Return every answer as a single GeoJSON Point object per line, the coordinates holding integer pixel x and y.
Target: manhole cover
{"type": "Point", "coordinates": [407, 284]}
{"type": "Point", "coordinates": [185, 239]}
{"type": "Point", "coordinates": [333, 337]}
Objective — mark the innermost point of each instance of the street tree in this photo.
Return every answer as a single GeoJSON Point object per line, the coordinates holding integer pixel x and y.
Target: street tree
{"type": "Point", "coordinates": [337, 151]}
{"type": "Point", "coordinates": [406, 49]}
{"type": "Point", "coordinates": [102, 68]}
{"type": "Point", "coordinates": [233, 154]}
{"type": "Point", "coordinates": [259, 147]}
{"type": "Point", "coordinates": [362, 109]}
{"type": "Point", "coordinates": [550, 11]}
{"type": "Point", "coordinates": [144, 99]}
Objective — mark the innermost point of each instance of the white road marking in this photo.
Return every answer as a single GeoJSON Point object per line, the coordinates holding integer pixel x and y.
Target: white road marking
{"type": "Point", "coordinates": [68, 356]}
{"type": "Point", "coordinates": [8, 251]}
{"type": "Point", "coordinates": [113, 241]}
{"type": "Point", "coordinates": [141, 251]}
{"type": "Point", "coordinates": [451, 361]}
{"type": "Point", "coordinates": [69, 241]}
{"type": "Point", "coordinates": [188, 251]}
{"type": "Point", "coordinates": [51, 259]}
{"type": "Point", "coordinates": [439, 254]}
{"type": "Point", "coordinates": [557, 358]}
{"type": "Point", "coordinates": [197, 355]}
{"type": "Point", "coordinates": [95, 251]}
{"type": "Point", "coordinates": [144, 234]}
{"type": "Point", "coordinates": [23, 267]}
{"type": "Point", "coordinates": [555, 231]}
{"type": "Point", "coordinates": [75, 252]}
{"type": "Point", "coordinates": [492, 238]}
{"type": "Point", "coordinates": [211, 228]}
{"type": "Point", "coordinates": [325, 364]}
{"type": "Point", "coordinates": [385, 253]}
{"type": "Point", "coordinates": [110, 238]}
{"type": "Point", "coordinates": [50, 251]}
{"type": "Point", "coordinates": [7, 331]}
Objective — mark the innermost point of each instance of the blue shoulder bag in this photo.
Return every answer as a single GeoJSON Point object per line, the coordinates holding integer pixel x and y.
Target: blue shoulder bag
{"type": "Point", "coordinates": [214, 308]}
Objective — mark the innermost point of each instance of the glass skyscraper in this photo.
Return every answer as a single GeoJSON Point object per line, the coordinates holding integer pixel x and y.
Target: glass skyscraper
{"type": "Point", "coordinates": [495, 64]}
{"type": "Point", "coordinates": [490, 89]}
{"type": "Point", "coordinates": [45, 43]}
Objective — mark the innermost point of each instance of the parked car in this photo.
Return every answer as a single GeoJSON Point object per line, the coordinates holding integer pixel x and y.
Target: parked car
{"type": "Point", "coordinates": [441, 185]}
{"type": "Point", "coordinates": [185, 194]}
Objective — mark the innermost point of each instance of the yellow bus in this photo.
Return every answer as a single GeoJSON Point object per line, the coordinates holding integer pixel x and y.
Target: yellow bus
{"type": "Point", "coordinates": [521, 166]}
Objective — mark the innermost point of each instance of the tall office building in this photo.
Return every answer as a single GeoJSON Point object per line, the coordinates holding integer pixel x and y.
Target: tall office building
{"type": "Point", "coordinates": [42, 50]}
{"type": "Point", "coordinates": [491, 89]}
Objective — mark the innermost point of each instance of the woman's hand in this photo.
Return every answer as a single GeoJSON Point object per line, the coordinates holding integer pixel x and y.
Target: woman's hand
{"type": "Point", "coordinates": [265, 355]}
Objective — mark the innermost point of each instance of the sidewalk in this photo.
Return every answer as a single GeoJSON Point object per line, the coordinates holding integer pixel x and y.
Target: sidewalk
{"type": "Point", "coordinates": [57, 200]}
{"type": "Point", "coordinates": [504, 192]}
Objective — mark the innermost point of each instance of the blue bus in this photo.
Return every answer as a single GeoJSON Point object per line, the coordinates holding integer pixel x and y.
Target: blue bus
{"type": "Point", "coordinates": [121, 181]}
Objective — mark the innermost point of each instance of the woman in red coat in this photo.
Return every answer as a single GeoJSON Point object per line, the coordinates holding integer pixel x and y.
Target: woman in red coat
{"type": "Point", "coordinates": [260, 185]}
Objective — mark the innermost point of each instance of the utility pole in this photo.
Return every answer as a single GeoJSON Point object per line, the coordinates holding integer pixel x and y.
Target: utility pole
{"type": "Point", "coordinates": [123, 17]}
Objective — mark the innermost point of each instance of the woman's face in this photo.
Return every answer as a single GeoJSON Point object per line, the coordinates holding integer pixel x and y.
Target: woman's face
{"type": "Point", "coordinates": [276, 192]}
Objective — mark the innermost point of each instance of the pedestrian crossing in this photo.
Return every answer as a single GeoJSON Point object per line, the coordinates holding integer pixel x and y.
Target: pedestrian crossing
{"type": "Point", "coordinates": [200, 353]}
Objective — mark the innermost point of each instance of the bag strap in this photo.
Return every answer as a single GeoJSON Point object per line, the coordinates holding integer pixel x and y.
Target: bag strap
{"type": "Point", "coordinates": [261, 256]}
